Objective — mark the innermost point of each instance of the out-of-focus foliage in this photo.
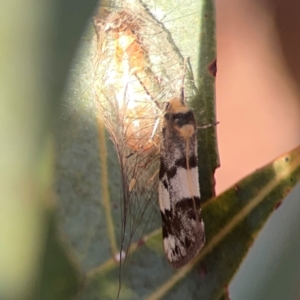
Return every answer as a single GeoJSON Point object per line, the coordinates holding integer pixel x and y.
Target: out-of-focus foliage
{"type": "Point", "coordinates": [38, 41]}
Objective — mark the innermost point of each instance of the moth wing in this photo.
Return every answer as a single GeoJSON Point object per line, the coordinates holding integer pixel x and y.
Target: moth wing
{"type": "Point", "coordinates": [183, 231]}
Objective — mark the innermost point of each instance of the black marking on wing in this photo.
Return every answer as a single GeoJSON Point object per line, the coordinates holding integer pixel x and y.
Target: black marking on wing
{"type": "Point", "coordinates": [166, 185]}
{"type": "Point", "coordinates": [182, 224]}
{"type": "Point", "coordinates": [164, 169]}
{"type": "Point", "coordinates": [171, 171]}
{"type": "Point", "coordinates": [181, 119]}
{"type": "Point", "coordinates": [172, 219]}
{"type": "Point", "coordinates": [187, 203]}
{"type": "Point", "coordinates": [181, 162]}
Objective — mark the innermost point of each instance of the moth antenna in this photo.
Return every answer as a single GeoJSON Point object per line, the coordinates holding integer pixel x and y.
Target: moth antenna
{"type": "Point", "coordinates": [185, 62]}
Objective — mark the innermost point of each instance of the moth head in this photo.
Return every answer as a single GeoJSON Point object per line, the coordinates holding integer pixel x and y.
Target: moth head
{"type": "Point", "coordinates": [179, 117]}
{"type": "Point", "coordinates": [176, 105]}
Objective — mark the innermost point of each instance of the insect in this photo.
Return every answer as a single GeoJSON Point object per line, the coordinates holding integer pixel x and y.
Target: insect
{"type": "Point", "coordinates": [136, 73]}
{"type": "Point", "coordinates": [179, 195]}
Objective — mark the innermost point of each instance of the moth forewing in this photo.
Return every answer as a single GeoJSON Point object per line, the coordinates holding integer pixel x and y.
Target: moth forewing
{"type": "Point", "coordinates": [179, 195]}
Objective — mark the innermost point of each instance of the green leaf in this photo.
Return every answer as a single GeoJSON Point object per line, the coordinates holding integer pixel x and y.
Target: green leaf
{"type": "Point", "coordinates": [275, 252]}
{"type": "Point", "coordinates": [60, 276]}
{"type": "Point", "coordinates": [232, 220]}
{"type": "Point", "coordinates": [204, 104]}
{"type": "Point", "coordinates": [37, 47]}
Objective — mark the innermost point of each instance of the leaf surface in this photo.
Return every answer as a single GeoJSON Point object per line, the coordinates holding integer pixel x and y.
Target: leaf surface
{"type": "Point", "coordinates": [232, 219]}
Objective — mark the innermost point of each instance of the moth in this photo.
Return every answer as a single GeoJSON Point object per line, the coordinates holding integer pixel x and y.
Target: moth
{"type": "Point", "coordinates": [179, 194]}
